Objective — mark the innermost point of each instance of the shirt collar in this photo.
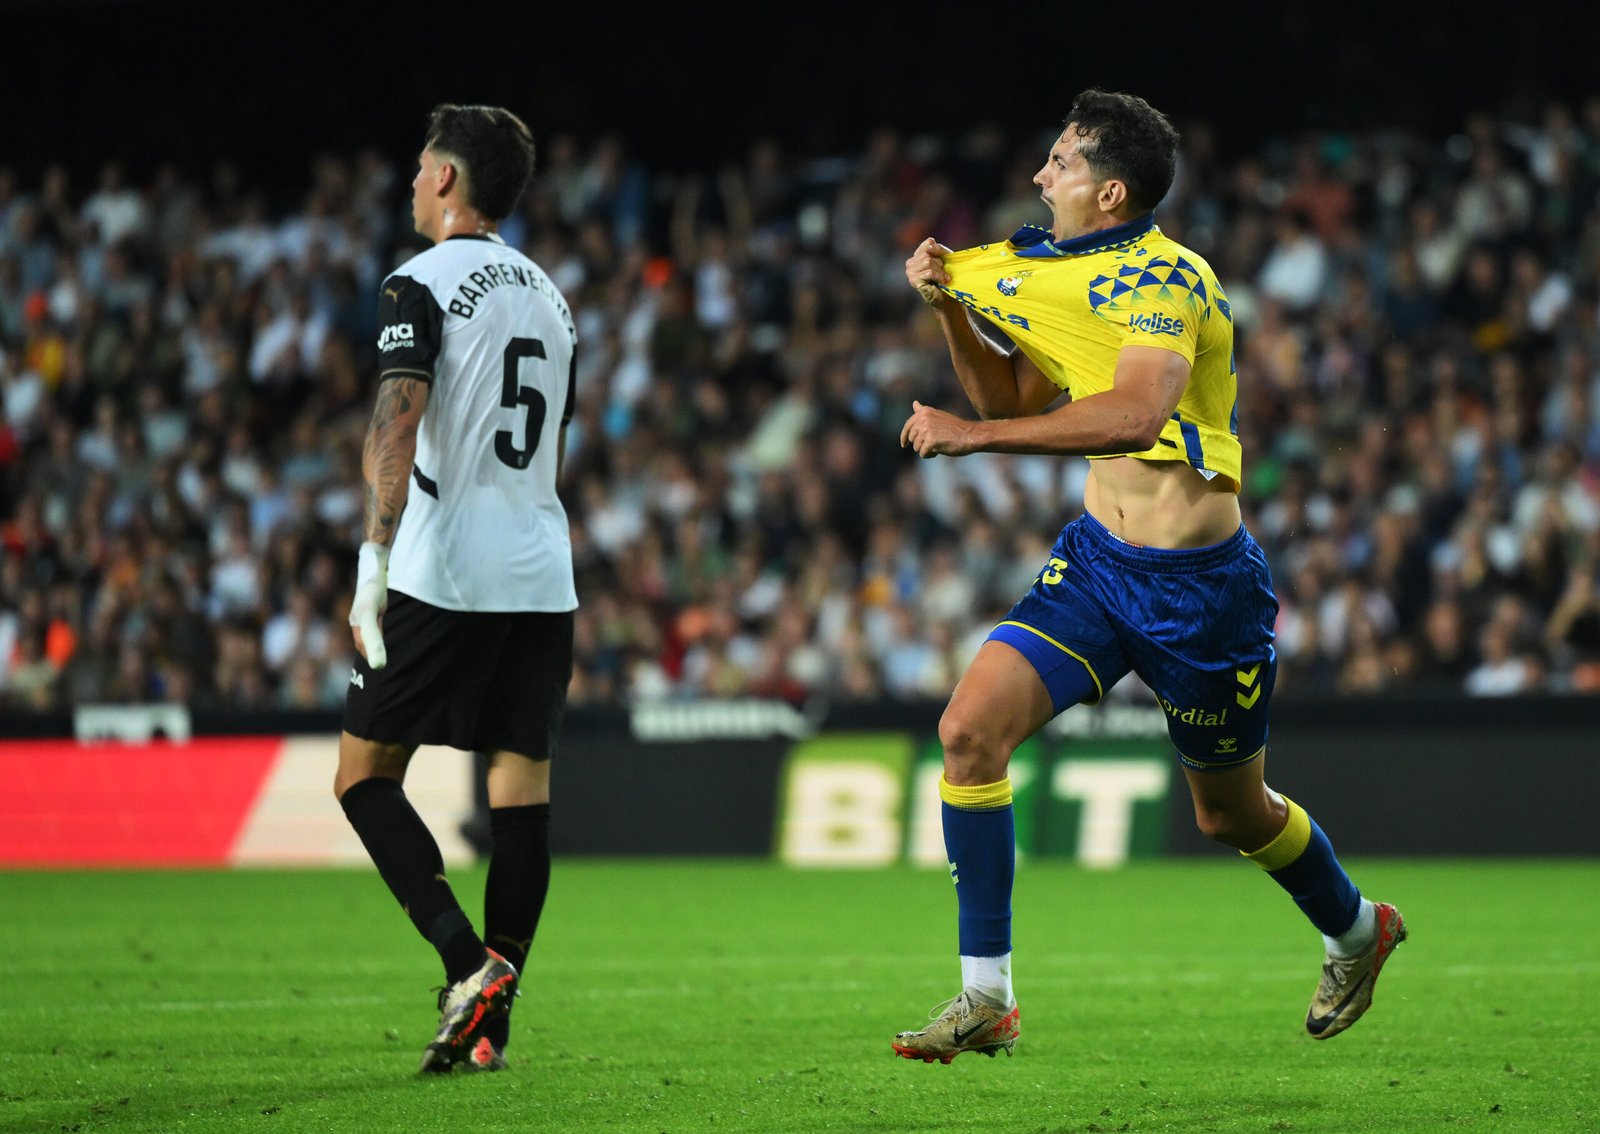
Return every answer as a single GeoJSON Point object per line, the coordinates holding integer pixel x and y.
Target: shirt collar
{"type": "Point", "coordinates": [1031, 240]}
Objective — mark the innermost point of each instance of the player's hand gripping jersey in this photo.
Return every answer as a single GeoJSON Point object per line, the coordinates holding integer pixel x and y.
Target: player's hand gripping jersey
{"type": "Point", "coordinates": [483, 528]}
{"type": "Point", "coordinates": [1072, 305]}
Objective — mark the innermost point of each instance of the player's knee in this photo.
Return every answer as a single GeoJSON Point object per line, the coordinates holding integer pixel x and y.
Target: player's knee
{"type": "Point", "coordinates": [1230, 827]}
{"type": "Point", "coordinates": [347, 777]}
{"type": "Point", "coordinates": [363, 759]}
{"type": "Point", "coordinates": [1214, 823]}
{"type": "Point", "coordinates": [342, 782]}
{"type": "Point", "coordinates": [974, 753]}
{"type": "Point", "coordinates": [516, 780]}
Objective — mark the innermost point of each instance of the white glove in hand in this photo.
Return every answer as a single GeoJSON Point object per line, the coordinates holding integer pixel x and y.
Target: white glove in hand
{"type": "Point", "coordinates": [372, 598]}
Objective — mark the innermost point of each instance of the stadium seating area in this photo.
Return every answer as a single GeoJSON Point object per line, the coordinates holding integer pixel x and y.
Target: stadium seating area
{"type": "Point", "coordinates": [187, 376]}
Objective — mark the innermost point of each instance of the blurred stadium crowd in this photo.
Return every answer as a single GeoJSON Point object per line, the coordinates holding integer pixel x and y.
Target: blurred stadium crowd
{"type": "Point", "coordinates": [187, 371]}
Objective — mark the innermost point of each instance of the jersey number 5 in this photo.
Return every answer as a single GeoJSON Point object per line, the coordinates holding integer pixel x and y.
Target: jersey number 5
{"type": "Point", "coordinates": [513, 394]}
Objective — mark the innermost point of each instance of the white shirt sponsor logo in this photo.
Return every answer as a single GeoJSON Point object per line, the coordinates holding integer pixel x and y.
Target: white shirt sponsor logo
{"type": "Point", "coordinates": [397, 335]}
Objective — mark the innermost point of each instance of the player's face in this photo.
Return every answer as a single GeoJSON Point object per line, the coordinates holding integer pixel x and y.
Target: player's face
{"type": "Point", "coordinates": [424, 201]}
{"type": "Point", "coordinates": [1069, 187]}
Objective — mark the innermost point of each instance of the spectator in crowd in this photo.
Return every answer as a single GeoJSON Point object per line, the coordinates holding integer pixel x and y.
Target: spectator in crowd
{"type": "Point", "coordinates": [186, 372]}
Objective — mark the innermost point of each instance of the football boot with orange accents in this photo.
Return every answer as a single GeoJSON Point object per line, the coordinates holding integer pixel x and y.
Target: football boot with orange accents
{"type": "Point", "coordinates": [464, 1009]}
{"type": "Point", "coordinates": [970, 1022]}
{"type": "Point", "coordinates": [1345, 990]}
{"type": "Point", "coordinates": [484, 1056]}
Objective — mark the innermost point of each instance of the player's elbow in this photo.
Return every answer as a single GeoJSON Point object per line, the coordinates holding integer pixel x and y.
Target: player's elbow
{"type": "Point", "coordinates": [1139, 430]}
{"type": "Point", "coordinates": [1147, 439]}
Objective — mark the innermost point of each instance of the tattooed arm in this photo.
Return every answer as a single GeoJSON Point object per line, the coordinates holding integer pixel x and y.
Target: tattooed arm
{"type": "Point", "coordinates": [388, 454]}
{"type": "Point", "coordinates": [386, 461]}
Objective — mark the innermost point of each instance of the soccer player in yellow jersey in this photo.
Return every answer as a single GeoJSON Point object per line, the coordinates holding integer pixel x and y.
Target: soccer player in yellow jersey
{"type": "Point", "coordinates": [1159, 576]}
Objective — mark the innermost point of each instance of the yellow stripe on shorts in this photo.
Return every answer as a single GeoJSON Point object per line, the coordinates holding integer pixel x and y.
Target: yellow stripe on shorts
{"type": "Point", "coordinates": [1095, 677]}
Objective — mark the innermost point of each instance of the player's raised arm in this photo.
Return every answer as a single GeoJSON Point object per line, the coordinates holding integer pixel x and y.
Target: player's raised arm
{"type": "Point", "coordinates": [998, 384]}
{"type": "Point", "coordinates": [1127, 418]}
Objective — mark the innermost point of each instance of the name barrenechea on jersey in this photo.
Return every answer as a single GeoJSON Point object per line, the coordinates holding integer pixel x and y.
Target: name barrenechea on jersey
{"type": "Point", "coordinates": [478, 284]}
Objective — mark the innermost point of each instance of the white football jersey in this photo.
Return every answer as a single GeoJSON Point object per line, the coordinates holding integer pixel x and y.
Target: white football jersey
{"type": "Point", "coordinates": [483, 528]}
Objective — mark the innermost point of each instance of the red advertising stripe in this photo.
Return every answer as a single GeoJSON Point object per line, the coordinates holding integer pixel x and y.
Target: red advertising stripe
{"type": "Point", "coordinates": [160, 804]}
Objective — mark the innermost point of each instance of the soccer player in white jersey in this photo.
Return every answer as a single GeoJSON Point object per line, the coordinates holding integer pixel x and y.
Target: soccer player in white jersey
{"type": "Point", "coordinates": [464, 590]}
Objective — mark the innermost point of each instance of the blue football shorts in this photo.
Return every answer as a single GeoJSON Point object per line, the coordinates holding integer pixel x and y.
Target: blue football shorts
{"type": "Point", "coordinates": [1195, 625]}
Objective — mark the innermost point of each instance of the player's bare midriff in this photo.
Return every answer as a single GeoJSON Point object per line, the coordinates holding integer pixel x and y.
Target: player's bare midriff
{"type": "Point", "coordinates": [1162, 504]}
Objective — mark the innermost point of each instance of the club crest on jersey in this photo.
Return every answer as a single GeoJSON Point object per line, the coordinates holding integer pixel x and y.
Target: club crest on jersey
{"type": "Point", "coordinates": [1009, 285]}
{"type": "Point", "coordinates": [397, 335]}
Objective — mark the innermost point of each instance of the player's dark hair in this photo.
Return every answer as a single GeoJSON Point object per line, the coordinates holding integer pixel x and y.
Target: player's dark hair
{"type": "Point", "coordinates": [494, 147]}
{"type": "Point", "coordinates": [1128, 139]}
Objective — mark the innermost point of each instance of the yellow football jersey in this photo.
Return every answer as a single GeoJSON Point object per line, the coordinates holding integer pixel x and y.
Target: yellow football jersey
{"type": "Point", "coordinates": [1071, 305]}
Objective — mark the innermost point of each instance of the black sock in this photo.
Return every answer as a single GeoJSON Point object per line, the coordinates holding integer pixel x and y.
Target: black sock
{"type": "Point", "coordinates": [513, 898]}
{"type": "Point", "coordinates": [407, 856]}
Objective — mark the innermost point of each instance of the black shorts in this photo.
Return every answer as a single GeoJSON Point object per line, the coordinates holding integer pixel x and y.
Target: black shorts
{"type": "Point", "coordinates": [479, 681]}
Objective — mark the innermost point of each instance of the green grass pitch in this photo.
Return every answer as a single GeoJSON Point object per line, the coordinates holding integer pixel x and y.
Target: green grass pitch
{"type": "Point", "coordinates": [715, 996]}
